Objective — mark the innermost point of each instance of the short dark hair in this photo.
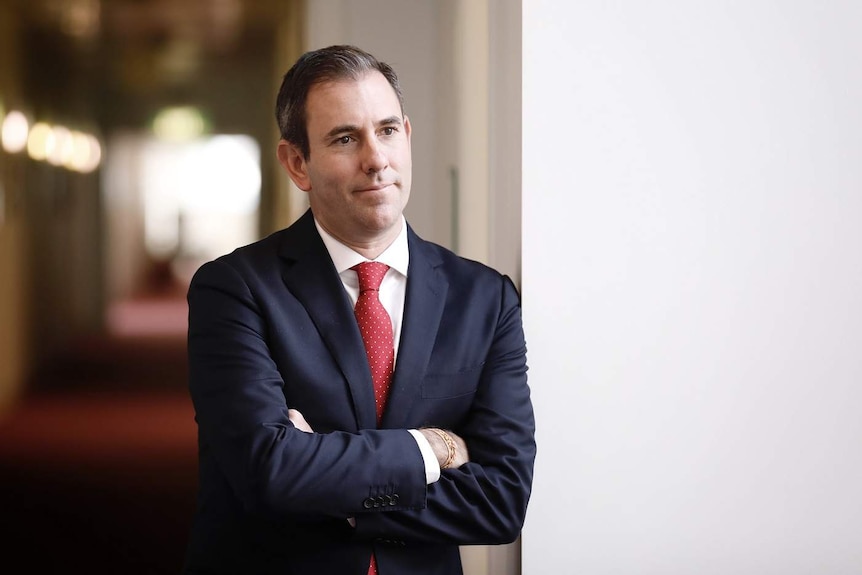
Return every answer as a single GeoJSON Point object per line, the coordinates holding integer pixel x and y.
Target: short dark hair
{"type": "Point", "coordinates": [324, 65]}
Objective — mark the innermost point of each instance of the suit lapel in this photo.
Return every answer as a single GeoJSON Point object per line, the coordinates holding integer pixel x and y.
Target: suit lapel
{"type": "Point", "coordinates": [310, 276]}
{"type": "Point", "coordinates": [423, 308]}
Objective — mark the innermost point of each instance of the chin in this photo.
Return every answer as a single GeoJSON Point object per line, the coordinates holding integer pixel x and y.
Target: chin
{"type": "Point", "coordinates": [382, 218]}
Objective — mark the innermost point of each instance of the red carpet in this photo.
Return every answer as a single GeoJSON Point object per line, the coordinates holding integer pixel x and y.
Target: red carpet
{"type": "Point", "coordinates": [98, 470]}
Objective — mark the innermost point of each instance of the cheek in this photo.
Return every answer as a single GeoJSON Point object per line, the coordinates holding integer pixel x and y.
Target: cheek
{"type": "Point", "coordinates": [328, 182]}
{"type": "Point", "coordinates": [405, 164]}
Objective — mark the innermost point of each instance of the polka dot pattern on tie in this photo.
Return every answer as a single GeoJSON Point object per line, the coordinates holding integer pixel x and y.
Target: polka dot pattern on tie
{"type": "Point", "coordinates": [375, 326]}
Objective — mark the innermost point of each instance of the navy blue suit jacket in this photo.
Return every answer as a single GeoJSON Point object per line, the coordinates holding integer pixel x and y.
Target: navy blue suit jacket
{"type": "Point", "coordinates": [270, 328]}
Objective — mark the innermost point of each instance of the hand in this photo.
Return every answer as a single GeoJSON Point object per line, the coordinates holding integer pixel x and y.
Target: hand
{"type": "Point", "coordinates": [462, 455]}
{"type": "Point", "coordinates": [441, 450]}
{"type": "Point", "coordinates": [298, 421]}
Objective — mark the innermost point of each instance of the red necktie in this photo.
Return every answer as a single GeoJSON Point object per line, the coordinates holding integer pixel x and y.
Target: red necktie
{"type": "Point", "coordinates": [376, 329]}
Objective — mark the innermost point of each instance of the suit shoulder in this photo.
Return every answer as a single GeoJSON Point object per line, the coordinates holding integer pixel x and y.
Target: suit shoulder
{"type": "Point", "coordinates": [460, 268]}
{"type": "Point", "coordinates": [265, 247]}
{"type": "Point", "coordinates": [297, 238]}
{"type": "Point", "coordinates": [450, 259]}
{"type": "Point", "coordinates": [254, 260]}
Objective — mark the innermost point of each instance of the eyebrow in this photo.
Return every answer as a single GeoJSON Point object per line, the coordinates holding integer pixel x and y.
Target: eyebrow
{"type": "Point", "coordinates": [345, 128]}
{"type": "Point", "coordinates": [348, 128]}
{"type": "Point", "coordinates": [390, 121]}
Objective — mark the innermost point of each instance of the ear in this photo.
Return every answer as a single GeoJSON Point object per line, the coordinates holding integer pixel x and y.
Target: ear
{"type": "Point", "coordinates": [293, 162]}
{"type": "Point", "coordinates": [407, 128]}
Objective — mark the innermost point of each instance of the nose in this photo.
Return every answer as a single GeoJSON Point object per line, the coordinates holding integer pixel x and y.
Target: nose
{"type": "Point", "coordinates": [374, 156]}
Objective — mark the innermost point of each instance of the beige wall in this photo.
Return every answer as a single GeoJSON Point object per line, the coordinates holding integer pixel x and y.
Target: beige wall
{"type": "Point", "coordinates": [14, 304]}
{"type": "Point", "coordinates": [14, 335]}
{"type": "Point", "coordinates": [50, 261]}
{"type": "Point", "coordinates": [466, 128]}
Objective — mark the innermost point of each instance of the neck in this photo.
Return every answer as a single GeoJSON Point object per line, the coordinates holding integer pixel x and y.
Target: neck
{"type": "Point", "coordinates": [371, 247]}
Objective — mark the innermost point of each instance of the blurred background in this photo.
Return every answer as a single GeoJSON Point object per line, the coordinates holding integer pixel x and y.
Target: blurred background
{"type": "Point", "coordinates": [133, 137]}
{"type": "Point", "coordinates": [138, 142]}
{"type": "Point", "coordinates": [691, 257]}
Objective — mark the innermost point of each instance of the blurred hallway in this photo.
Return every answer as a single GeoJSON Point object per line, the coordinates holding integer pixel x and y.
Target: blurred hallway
{"type": "Point", "coordinates": [98, 459]}
{"type": "Point", "coordinates": [98, 453]}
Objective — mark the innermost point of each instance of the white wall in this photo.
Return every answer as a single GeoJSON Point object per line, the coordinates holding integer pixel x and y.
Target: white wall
{"type": "Point", "coordinates": [692, 285]}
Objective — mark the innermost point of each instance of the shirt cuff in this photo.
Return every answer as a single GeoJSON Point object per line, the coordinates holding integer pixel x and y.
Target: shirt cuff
{"type": "Point", "coordinates": [432, 467]}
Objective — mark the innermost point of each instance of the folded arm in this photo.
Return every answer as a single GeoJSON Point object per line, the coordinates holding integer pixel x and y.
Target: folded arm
{"type": "Point", "coordinates": [276, 468]}
{"type": "Point", "coordinates": [484, 500]}
{"type": "Point", "coordinates": [273, 467]}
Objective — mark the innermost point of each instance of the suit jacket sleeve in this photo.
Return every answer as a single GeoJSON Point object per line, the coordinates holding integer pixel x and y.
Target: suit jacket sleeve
{"type": "Point", "coordinates": [484, 501]}
{"type": "Point", "coordinates": [238, 394]}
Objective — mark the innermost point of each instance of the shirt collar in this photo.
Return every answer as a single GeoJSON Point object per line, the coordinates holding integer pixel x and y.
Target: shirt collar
{"type": "Point", "coordinates": [396, 256]}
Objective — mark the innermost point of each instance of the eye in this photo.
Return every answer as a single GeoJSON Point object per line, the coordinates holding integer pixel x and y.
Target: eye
{"type": "Point", "coordinates": [388, 130]}
{"type": "Point", "coordinates": [343, 140]}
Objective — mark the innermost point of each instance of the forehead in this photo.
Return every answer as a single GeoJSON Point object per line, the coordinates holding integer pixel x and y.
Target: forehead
{"type": "Point", "coordinates": [348, 100]}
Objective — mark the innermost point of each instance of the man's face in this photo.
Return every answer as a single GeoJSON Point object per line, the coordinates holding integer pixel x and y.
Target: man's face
{"type": "Point", "coordinates": [358, 171]}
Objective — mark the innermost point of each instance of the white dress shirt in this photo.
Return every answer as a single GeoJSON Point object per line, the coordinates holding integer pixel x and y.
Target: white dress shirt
{"type": "Point", "coordinates": [392, 292]}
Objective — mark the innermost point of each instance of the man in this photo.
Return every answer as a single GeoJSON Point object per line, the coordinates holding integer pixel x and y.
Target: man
{"type": "Point", "coordinates": [347, 427]}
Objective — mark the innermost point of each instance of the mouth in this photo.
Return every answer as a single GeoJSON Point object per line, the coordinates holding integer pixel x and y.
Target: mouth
{"type": "Point", "coordinates": [375, 188]}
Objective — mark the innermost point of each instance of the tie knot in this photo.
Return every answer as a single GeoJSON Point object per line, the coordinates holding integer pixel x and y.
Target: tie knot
{"type": "Point", "coordinates": [370, 275]}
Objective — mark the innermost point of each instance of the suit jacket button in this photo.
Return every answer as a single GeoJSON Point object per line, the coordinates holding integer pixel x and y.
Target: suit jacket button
{"type": "Point", "coordinates": [368, 503]}
{"type": "Point", "coordinates": [393, 499]}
